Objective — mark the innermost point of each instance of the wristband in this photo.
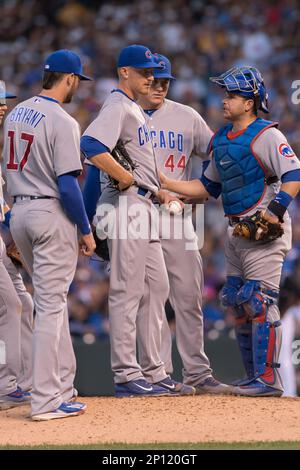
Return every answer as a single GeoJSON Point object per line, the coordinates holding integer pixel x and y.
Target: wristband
{"type": "Point", "coordinates": [279, 204]}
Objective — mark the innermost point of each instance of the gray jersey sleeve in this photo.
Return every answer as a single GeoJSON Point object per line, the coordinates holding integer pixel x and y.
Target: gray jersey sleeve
{"type": "Point", "coordinates": [275, 153]}
{"type": "Point", "coordinates": [202, 134]}
{"type": "Point", "coordinates": [67, 148]}
{"type": "Point", "coordinates": [211, 171]}
{"type": "Point", "coordinates": [108, 124]}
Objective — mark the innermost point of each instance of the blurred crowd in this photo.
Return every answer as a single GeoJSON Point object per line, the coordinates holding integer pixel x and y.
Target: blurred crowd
{"type": "Point", "coordinates": [202, 39]}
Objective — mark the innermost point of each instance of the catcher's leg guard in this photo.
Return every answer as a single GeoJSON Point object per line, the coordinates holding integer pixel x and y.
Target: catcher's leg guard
{"type": "Point", "coordinates": [229, 291]}
{"type": "Point", "coordinates": [243, 332]}
{"type": "Point", "coordinates": [266, 335]}
{"type": "Point", "coordinates": [243, 326]}
{"type": "Point", "coordinates": [266, 345]}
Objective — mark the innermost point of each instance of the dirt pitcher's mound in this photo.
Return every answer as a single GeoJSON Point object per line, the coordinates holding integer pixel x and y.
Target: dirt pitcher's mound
{"type": "Point", "coordinates": [173, 419]}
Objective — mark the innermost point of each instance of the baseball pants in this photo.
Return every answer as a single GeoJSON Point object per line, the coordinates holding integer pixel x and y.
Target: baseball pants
{"type": "Point", "coordinates": [135, 262]}
{"type": "Point", "coordinates": [184, 267]}
{"type": "Point", "coordinates": [262, 262]}
{"type": "Point", "coordinates": [47, 241]}
{"type": "Point", "coordinates": [10, 329]}
{"type": "Point", "coordinates": [25, 377]}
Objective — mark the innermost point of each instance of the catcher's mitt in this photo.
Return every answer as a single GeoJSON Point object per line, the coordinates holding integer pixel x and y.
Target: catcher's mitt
{"type": "Point", "coordinates": [121, 156]}
{"type": "Point", "coordinates": [101, 249]}
{"type": "Point", "coordinates": [256, 228]}
{"type": "Point", "coordinates": [14, 254]}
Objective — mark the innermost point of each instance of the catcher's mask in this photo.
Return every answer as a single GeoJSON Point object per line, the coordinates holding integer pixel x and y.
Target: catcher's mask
{"type": "Point", "coordinates": [246, 81]}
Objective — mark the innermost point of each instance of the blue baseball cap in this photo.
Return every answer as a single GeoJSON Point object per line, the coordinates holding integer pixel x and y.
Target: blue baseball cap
{"type": "Point", "coordinates": [3, 93]}
{"type": "Point", "coordinates": [7, 94]}
{"type": "Point", "coordinates": [138, 57]}
{"type": "Point", "coordinates": [65, 61]}
{"type": "Point", "coordinates": [166, 70]}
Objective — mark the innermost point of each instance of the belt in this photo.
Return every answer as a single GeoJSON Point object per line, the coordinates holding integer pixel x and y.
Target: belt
{"type": "Point", "coordinates": [27, 198]}
{"type": "Point", "coordinates": [234, 220]}
{"type": "Point", "coordinates": [145, 193]}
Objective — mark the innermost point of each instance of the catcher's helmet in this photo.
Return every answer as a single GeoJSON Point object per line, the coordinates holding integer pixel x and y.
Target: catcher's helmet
{"type": "Point", "coordinates": [246, 81]}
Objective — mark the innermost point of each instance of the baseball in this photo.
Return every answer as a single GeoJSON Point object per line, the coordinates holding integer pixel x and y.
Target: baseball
{"type": "Point", "coordinates": [174, 207]}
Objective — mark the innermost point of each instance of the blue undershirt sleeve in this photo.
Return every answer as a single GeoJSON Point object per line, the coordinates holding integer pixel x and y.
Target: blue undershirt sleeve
{"type": "Point", "coordinates": [6, 221]}
{"type": "Point", "coordinates": [90, 146]}
{"type": "Point", "coordinates": [212, 187]}
{"type": "Point", "coordinates": [293, 175]}
{"type": "Point", "coordinates": [91, 190]}
{"type": "Point", "coordinates": [72, 201]}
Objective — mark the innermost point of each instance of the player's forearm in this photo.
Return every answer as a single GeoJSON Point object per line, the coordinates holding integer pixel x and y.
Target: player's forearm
{"type": "Point", "coordinates": [72, 202]}
{"type": "Point", "coordinates": [91, 191]}
{"type": "Point", "coordinates": [193, 188]}
{"type": "Point", "coordinates": [6, 208]}
{"type": "Point", "coordinates": [108, 164]}
{"type": "Point", "coordinates": [292, 188]}
{"type": "Point", "coordinates": [279, 205]}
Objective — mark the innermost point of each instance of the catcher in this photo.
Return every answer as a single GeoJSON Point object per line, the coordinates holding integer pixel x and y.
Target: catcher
{"type": "Point", "coordinates": [257, 174]}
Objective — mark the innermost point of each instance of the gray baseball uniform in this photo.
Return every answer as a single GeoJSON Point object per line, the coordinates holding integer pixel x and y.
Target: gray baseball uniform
{"type": "Point", "coordinates": [132, 260]}
{"type": "Point", "coordinates": [42, 143]}
{"type": "Point", "coordinates": [257, 260]}
{"type": "Point", "coordinates": [10, 321]}
{"type": "Point", "coordinates": [178, 132]}
{"type": "Point", "coordinates": [24, 378]}
{"type": "Point", "coordinates": [263, 261]}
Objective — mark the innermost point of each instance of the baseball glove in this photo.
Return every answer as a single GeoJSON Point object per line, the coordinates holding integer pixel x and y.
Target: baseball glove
{"type": "Point", "coordinates": [256, 228]}
{"type": "Point", "coordinates": [121, 156]}
{"type": "Point", "coordinates": [14, 254]}
{"type": "Point", "coordinates": [101, 249]}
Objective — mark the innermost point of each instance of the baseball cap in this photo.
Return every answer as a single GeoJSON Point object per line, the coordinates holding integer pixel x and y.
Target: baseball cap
{"type": "Point", "coordinates": [166, 70]}
{"type": "Point", "coordinates": [7, 94]}
{"type": "Point", "coordinates": [137, 56]}
{"type": "Point", "coordinates": [3, 93]}
{"type": "Point", "coordinates": [10, 95]}
{"type": "Point", "coordinates": [65, 61]}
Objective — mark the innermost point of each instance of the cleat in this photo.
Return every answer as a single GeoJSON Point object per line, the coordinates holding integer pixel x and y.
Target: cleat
{"type": "Point", "coordinates": [213, 387]}
{"type": "Point", "coordinates": [257, 389]}
{"type": "Point", "coordinates": [139, 388]}
{"type": "Point", "coordinates": [16, 398]}
{"type": "Point", "coordinates": [176, 388]}
{"type": "Point", "coordinates": [65, 410]}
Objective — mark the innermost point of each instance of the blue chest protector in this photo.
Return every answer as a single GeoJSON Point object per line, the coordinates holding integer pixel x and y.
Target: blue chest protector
{"type": "Point", "coordinates": [242, 176]}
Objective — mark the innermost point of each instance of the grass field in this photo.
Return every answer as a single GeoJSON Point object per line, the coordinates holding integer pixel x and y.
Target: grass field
{"type": "Point", "coordinates": [276, 445]}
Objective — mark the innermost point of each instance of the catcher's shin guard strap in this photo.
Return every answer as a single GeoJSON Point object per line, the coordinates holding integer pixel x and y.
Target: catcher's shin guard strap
{"type": "Point", "coordinates": [243, 334]}
{"type": "Point", "coordinates": [266, 341]}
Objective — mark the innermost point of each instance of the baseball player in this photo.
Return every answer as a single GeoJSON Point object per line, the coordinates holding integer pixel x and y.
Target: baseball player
{"type": "Point", "coordinates": [254, 169]}
{"type": "Point", "coordinates": [41, 159]}
{"type": "Point", "coordinates": [178, 132]}
{"type": "Point", "coordinates": [16, 316]}
{"type": "Point", "coordinates": [134, 260]}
